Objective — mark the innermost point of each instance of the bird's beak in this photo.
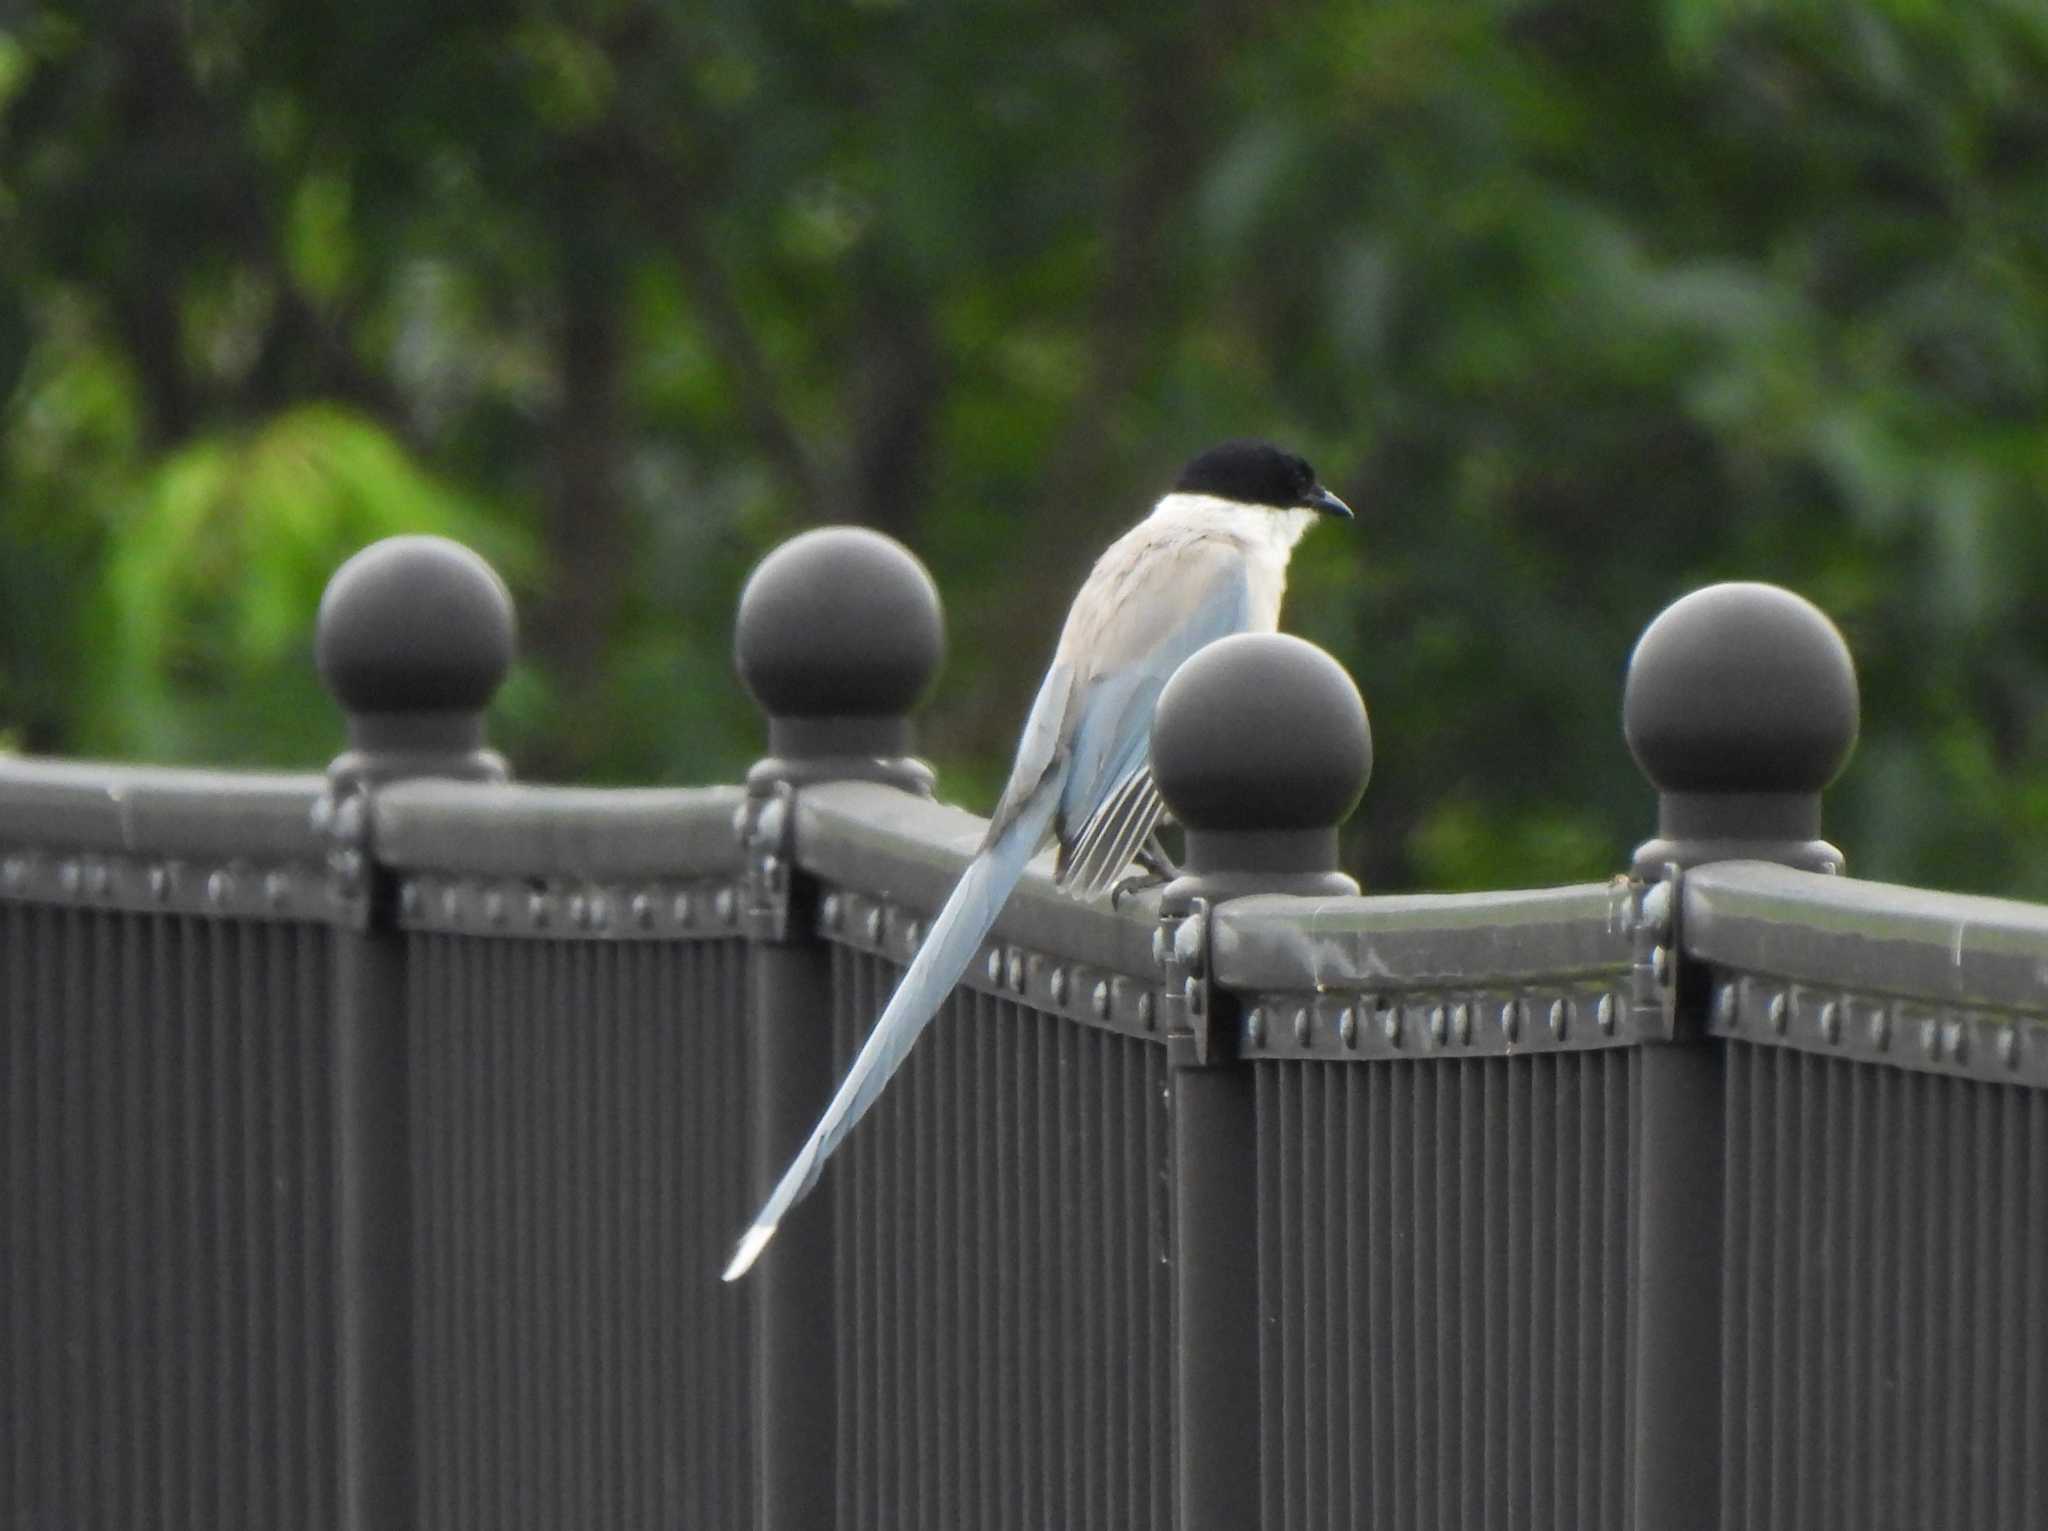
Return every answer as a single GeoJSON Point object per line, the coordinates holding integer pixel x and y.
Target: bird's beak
{"type": "Point", "coordinates": [1325, 503]}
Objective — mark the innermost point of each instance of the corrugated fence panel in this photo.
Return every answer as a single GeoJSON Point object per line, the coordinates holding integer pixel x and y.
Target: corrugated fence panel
{"type": "Point", "coordinates": [577, 1116]}
{"type": "Point", "coordinates": [1444, 1279]}
{"type": "Point", "coordinates": [1886, 1301]}
{"type": "Point", "coordinates": [1001, 1273]}
{"type": "Point", "coordinates": [168, 1327]}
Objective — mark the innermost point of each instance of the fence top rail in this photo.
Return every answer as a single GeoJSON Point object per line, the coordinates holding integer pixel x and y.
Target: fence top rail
{"type": "Point", "coordinates": [909, 850]}
{"type": "Point", "coordinates": [1422, 941]}
{"type": "Point", "coordinates": [1950, 949]}
{"type": "Point", "coordinates": [100, 807]}
{"type": "Point", "coordinates": [496, 830]}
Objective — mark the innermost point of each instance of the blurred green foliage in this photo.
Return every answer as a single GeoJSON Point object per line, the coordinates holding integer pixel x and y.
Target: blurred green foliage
{"type": "Point", "coordinates": [1582, 305]}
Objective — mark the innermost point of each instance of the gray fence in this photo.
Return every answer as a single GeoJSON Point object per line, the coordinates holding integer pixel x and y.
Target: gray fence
{"type": "Point", "coordinates": [374, 1140]}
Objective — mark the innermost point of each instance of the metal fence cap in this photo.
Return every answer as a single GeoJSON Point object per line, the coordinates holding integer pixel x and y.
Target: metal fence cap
{"type": "Point", "coordinates": [839, 622]}
{"type": "Point", "coordinates": [1261, 747]}
{"type": "Point", "coordinates": [414, 636]}
{"type": "Point", "coordinates": [1740, 705]}
{"type": "Point", "coordinates": [1741, 687]}
{"type": "Point", "coordinates": [839, 635]}
{"type": "Point", "coordinates": [414, 624]}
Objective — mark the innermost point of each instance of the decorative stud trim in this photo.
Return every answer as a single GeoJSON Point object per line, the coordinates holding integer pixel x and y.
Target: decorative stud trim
{"type": "Point", "coordinates": [1364, 1027]}
{"type": "Point", "coordinates": [1991, 1045]}
{"type": "Point", "coordinates": [566, 909]}
{"type": "Point", "coordinates": [231, 890]}
{"type": "Point", "coordinates": [1077, 991]}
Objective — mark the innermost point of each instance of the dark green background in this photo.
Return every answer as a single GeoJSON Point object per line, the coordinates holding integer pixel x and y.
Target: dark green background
{"type": "Point", "coordinates": [1582, 305]}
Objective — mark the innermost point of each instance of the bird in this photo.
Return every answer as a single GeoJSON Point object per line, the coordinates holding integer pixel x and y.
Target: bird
{"type": "Point", "coordinates": [1209, 560]}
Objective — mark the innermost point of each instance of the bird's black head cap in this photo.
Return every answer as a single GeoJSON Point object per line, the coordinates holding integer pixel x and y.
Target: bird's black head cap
{"type": "Point", "coordinates": [1257, 473]}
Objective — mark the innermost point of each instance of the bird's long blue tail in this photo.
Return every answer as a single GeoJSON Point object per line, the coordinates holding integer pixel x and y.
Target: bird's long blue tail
{"type": "Point", "coordinates": [956, 935]}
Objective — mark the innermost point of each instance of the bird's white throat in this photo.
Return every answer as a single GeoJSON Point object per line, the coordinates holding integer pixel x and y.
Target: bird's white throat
{"type": "Point", "coordinates": [1276, 531]}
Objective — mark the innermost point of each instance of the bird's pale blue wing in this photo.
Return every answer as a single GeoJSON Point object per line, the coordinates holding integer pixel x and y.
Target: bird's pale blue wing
{"type": "Point", "coordinates": [1191, 596]}
{"type": "Point", "coordinates": [1038, 750]}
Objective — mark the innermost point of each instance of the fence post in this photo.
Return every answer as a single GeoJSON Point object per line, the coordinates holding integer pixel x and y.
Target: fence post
{"type": "Point", "coordinates": [838, 637]}
{"type": "Point", "coordinates": [1260, 748]}
{"type": "Point", "coordinates": [413, 638]}
{"type": "Point", "coordinates": [1740, 706]}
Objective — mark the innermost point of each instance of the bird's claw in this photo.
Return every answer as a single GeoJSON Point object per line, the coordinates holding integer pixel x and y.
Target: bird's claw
{"type": "Point", "coordinates": [1153, 858]}
{"type": "Point", "coordinates": [1131, 887]}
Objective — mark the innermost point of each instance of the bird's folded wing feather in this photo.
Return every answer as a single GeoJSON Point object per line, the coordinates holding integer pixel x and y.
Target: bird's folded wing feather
{"type": "Point", "coordinates": [1038, 751]}
{"type": "Point", "coordinates": [1181, 597]}
{"type": "Point", "coordinates": [1110, 839]}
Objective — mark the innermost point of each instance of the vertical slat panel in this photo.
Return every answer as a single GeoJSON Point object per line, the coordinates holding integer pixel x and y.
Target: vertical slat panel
{"type": "Point", "coordinates": [999, 1265]}
{"type": "Point", "coordinates": [1613, 1423]}
{"type": "Point", "coordinates": [17, 1183]}
{"type": "Point", "coordinates": [574, 1108]}
{"type": "Point", "coordinates": [1565, 1355]}
{"type": "Point", "coordinates": [1498, 1408]}
{"type": "Point", "coordinates": [1047, 1464]}
{"type": "Point", "coordinates": [1093, 1283]}
{"type": "Point", "coordinates": [1979, 1203]}
{"type": "Point", "coordinates": [1521, 1382]}
{"type": "Point", "coordinates": [900, 1317]}
{"type": "Point", "coordinates": [1467, 1163]}
{"type": "Point", "coordinates": [1338, 1269]}
{"type": "Point", "coordinates": [1064, 1482]}
{"type": "Point", "coordinates": [1272, 1236]}
{"type": "Point", "coordinates": [1443, 1272]}
{"type": "Point", "coordinates": [1859, 1305]}
{"type": "Point", "coordinates": [1881, 1318]}
{"type": "Point", "coordinates": [1320, 1416]}
{"type": "Point", "coordinates": [166, 1352]}
{"type": "Point", "coordinates": [1159, 1308]}
{"type": "Point", "coordinates": [2033, 1420]}
{"type": "Point", "coordinates": [999, 1334]}
{"type": "Point", "coordinates": [1541, 1149]}
{"type": "Point", "coordinates": [1350, 1446]}
{"type": "Point", "coordinates": [922, 1235]}
{"type": "Point", "coordinates": [970, 1289]}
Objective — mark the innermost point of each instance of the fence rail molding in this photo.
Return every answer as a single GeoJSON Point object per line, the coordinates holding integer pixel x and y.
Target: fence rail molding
{"type": "Point", "coordinates": [1934, 982]}
{"type": "Point", "coordinates": [1464, 975]}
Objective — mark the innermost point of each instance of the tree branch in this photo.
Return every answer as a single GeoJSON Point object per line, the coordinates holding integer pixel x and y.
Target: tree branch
{"type": "Point", "coordinates": [669, 199]}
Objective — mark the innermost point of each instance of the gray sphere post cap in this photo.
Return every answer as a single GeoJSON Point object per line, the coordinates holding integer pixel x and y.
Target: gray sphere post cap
{"type": "Point", "coordinates": [1741, 688]}
{"type": "Point", "coordinates": [1258, 733]}
{"type": "Point", "coordinates": [414, 624]}
{"type": "Point", "coordinates": [839, 622]}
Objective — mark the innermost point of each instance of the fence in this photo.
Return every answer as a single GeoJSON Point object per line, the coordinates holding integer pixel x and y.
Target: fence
{"type": "Point", "coordinates": [373, 1140]}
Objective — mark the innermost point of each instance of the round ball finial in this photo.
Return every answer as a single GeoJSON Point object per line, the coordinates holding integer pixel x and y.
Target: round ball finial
{"type": "Point", "coordinates": [1744, 688]}
{"type": "Point", "coordinates": [1261, 748]}
{"type": "Point", "coordinates": [839, 622]}
{"type": "Point", "coordinates": [414, 624]}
